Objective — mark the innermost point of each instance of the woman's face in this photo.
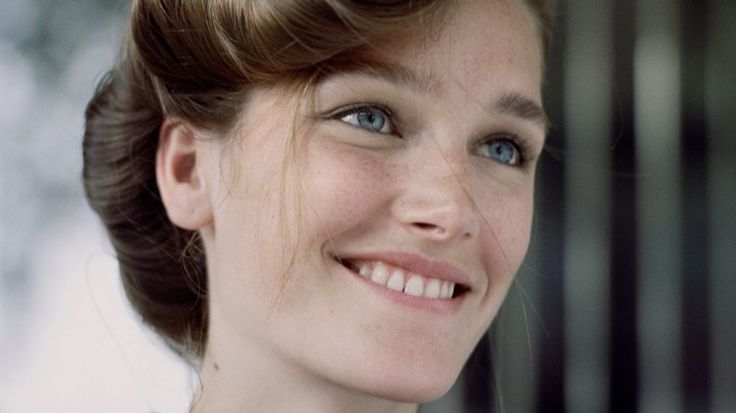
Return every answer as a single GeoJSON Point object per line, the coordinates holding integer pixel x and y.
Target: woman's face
{"type": "Point", "coordinates": [406, 210]}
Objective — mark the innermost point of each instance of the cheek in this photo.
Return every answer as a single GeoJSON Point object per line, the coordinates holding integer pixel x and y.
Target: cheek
{"type": "Point", "coordinates": [343, 187]}
{"type": "Point", "coordinates": [507, 213]}
{"type": "Point", "coordinates": [248, 250]}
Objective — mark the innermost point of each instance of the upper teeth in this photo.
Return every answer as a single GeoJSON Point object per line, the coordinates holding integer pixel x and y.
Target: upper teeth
{"type": "Point", "coordinates": [407, 282]}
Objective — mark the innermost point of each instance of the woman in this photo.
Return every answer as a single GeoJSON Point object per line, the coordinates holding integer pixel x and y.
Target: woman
{"type": "Point", "coordinates": [320, 204]}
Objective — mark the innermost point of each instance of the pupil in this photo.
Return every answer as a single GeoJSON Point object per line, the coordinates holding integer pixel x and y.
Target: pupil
{"type": "Point", "coordinates": [503, 152]}
{"type": "Point", "coordinates": [370, 120]}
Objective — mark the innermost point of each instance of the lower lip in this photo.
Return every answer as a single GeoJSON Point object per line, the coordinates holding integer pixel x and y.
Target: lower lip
{"type": "Point", "coordinates": [434, 305]}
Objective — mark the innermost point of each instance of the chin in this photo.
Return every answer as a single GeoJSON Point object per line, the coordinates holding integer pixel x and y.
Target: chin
{"type": "Point", "coordinates": [413, 386]}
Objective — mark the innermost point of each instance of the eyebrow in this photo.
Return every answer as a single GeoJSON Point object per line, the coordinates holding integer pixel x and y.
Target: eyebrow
{"type": "Point", "coordinates": [512, 103]}
{"type": "Point", "coordinates": [395, 74]}
{"type": "Point", "coordinates": [520, 106]}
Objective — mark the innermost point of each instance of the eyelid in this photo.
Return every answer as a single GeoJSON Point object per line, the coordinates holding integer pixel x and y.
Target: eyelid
{"type": "Point", "coordinates": [523, 146]}
{"type": "Point", "coordinates": [357, 107]}
{"type": "Point", "coordinates": [337, 114]}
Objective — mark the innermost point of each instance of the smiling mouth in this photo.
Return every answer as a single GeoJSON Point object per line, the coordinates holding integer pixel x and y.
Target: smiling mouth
{"type": "Point", "coordinates": [404, 281]}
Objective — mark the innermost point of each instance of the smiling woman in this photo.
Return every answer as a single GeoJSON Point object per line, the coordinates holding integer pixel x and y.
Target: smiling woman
{"type": "Point", "coordinates": [320, 204]}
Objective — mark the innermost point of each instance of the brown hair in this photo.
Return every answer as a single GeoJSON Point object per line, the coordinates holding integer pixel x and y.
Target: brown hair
{"type": "Point", "coordinates": [197, 60]}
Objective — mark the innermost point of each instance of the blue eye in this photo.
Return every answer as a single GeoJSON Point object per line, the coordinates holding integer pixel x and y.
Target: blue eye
{"type": "Point", "coordinates": [369, 118]}
{"type": "Point", "coordinates": [504, 151]}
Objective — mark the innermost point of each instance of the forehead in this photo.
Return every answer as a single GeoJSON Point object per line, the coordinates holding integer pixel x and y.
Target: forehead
{"type": "Point", "coordinates": [483, 56]}
{"type": "Point", "coordinates": [475, 42]}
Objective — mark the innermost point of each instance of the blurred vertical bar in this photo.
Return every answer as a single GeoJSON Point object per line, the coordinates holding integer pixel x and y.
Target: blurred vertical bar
{"type": "Point", "coordinates": [695, 331]}
{"type": "Point", "coordinates": [544, 320]}
{"type": "Point", "coordinates": [513, 356]}
{"type": "Point", "coordinates": [624, 361]}
{"type": "Point", "coordinates": [657, 118]}
{"type": "Point", "coordinates": [588, 76]}
{"type": "Point", "coordinates": [720, 98]}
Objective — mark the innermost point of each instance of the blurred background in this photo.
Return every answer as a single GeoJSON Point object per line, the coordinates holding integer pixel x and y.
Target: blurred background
{"type": "Point", "coordinates": [626, 302]}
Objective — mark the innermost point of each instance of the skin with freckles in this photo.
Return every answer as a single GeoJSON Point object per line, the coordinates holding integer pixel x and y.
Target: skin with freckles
{"type": "Point", "coordinates": [429, 153]}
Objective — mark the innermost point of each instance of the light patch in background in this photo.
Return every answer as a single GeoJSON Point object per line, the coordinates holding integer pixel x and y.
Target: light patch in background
{"type": "Point", "coordinates": [659, 206]}
{"type": "Point", "coordinates": [68, 338]}
{"type": "Point", "coordinates": [586, 303]}
{"type": "Point", "coordinates": [87, 351]}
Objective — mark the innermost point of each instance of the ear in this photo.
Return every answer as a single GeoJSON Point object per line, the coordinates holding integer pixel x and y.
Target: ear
{"type": "Point", "coordinates": [180, 174]}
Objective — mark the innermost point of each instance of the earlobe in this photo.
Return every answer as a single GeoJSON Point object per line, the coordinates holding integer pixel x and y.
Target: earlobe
{"type": "Point", "coordinates": [181, 176]}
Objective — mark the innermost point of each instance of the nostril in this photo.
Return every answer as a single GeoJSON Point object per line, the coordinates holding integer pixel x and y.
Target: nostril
{"type": "Point", "coordinates": [426, 226]}
{"type": "Point", "coordinates": [441, 232]}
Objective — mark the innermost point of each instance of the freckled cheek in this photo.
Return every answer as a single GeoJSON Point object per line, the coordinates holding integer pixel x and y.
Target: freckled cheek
{"type": "Point", "coordinates": [507, 223]}
{"type": "Point", "coordinates": [344, 186]}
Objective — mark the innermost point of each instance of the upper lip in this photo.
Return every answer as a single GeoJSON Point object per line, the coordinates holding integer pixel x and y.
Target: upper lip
{"type": "Point", "coordinates": [414, 263]}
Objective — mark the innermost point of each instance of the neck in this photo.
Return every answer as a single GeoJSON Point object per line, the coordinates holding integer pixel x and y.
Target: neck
{"type": "Point", "coordinates": [260, 383]}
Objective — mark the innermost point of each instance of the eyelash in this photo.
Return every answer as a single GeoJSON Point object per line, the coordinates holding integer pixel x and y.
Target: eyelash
{"type": "Point", "coordinates": [521, 149]}
{"type": "Point", "coordinates": [366, 108]}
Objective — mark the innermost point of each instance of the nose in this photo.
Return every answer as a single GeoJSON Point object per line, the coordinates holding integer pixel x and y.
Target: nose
{"type": "Point", "coordinates": [436, 202]}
